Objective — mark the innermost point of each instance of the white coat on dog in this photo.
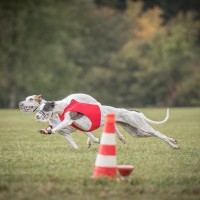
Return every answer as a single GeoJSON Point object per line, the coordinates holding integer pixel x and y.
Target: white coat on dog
{"type": "Point", "coordinates": [32, 103]}
{"type": "Point", "coordinates": [135, 123]}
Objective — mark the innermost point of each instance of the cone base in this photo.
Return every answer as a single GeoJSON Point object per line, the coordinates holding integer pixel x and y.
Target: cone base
{"type": "Point", "coordinates": [105, 171]}
{"type": "Point", "coordinates": [125, 170]}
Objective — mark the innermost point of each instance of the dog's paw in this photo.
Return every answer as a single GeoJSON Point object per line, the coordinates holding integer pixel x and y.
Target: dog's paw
{"type": "Point", "coordinates": [89, 143]}
{"type": "Point", "coordinates": [43, 131]}
{"type": "Point", "coordinates": [176, 147]}
{"type": "Point", "coordinates": [75, 147]}
{"type": "Point", "coordinates": [123, 140]}
{"type": "Point", "coordinates": [174, 141]}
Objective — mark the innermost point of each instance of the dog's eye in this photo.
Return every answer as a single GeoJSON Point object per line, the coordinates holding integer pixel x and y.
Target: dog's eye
{"type": "Point", "coordinates": [31, 99]}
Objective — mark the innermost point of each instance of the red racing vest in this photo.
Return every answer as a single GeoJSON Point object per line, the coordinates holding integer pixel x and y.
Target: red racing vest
{"type": "Point", "coordinates": [91, 111]}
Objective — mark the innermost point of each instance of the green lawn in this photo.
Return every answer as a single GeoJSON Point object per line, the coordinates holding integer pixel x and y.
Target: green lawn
{"type": "Point", "coordinates": [34, 166]}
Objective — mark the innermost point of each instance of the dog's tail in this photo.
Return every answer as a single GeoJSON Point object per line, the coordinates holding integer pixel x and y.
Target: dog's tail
{"type": "Point", "coordinates": [158, 122]}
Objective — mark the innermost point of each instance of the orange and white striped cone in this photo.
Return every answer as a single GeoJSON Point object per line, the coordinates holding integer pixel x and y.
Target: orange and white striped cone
{"type": "Point", "coordinates": [106, 162]}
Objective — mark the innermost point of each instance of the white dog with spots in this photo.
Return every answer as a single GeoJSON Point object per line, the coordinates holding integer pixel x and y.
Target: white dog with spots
{"type": "Point", "coordinates": [33, 102]}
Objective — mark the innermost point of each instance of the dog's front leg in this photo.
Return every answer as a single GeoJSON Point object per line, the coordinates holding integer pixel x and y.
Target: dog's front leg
{"type": "Point", "coordinates": [66, 122]}
{"type": "Point", "coordinates": [66, 132]}
{"type": "Point", "coordinates": [71, 141]}
{"type": "Point", "coordinates": [120, 136]}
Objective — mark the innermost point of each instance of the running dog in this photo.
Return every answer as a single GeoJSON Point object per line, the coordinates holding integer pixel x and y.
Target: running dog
{"type": "Point", "coordinates": [32, 103]}
{"type": "Point", "coordinates": [133, 122]}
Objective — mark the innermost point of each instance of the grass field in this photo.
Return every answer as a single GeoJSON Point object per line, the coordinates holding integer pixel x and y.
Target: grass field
{"type": "Point", "coordinates": [34, 166]}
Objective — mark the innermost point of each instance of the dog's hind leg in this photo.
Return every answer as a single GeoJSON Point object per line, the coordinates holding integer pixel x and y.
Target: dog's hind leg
{"type": "Point", "coordinates": [133, 131]}
{"type": "Point", "coordinates": [120, 136]}
{"type": "Point", "coordinates": [89, 142]}
{"type": "Point", "coordinates": [170, 141]}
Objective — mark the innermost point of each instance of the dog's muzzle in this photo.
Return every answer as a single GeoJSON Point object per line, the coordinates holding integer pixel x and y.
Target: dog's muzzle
{"type": "Point", "coordinates": [27, 107]}
{"type": "Point", "coordinates": [43, 116]}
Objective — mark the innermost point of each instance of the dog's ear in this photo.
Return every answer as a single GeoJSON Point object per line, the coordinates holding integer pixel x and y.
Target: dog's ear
{"type": "Point", "coordinates": [52, 104]}
{"type": "Point", "coordinates": [40, 96]}
{"type": "Point", "coordinates": [49, 106]}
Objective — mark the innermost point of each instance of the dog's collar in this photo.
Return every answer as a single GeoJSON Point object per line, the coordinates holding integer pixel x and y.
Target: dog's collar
{"type": "Point", "coordinates": [41, 102]}
{"type": "Point", "coordinates": [35, 109]}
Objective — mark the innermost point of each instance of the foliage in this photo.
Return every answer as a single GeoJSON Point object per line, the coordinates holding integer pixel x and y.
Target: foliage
{"type": "Point", "coordinates": [124, 57]}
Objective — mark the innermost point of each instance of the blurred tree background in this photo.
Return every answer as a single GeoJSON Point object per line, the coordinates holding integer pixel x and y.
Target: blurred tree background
{"type": "Point", "coordinates": [124, 53]}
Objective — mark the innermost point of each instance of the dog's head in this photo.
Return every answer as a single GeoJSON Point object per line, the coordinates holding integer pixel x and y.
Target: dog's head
{"type": "Point", "coordinates": [31, 103]}
{"type": "Point", "coordinates": [45, 111]}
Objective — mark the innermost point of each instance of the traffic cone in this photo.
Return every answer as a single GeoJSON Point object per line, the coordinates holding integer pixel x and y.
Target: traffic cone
{"type": "Point", "coordinates": [106, 162]}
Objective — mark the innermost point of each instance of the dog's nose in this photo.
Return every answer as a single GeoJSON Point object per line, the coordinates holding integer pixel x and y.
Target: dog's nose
{"type": "Point", "coordinates": [21, 104]}
{"type": "Point", "coordinates": [37, 117]}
